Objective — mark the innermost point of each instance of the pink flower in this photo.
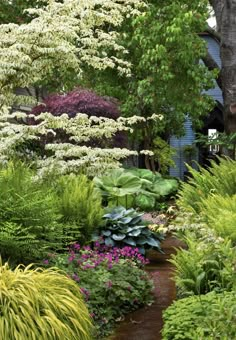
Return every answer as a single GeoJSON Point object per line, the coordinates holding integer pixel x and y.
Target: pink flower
{"type": "Point", "coordinates": [108, 284]}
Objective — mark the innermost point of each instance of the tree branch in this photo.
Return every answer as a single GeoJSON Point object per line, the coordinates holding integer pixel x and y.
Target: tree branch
{"type": "Point", "coordinates": [211, 65]}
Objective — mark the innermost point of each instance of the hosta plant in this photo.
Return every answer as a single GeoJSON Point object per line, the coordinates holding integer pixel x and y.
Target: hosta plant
{"type": "Point", "coordinates": [126, 227]}
{"type": "Point", "coordinates": [41, 304]}
{"type": "Point", "coordinates": [135, 187]}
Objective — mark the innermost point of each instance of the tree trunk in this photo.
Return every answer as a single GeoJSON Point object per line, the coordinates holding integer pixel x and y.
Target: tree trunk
{"type": "Point", "coordinates": [226, 20]}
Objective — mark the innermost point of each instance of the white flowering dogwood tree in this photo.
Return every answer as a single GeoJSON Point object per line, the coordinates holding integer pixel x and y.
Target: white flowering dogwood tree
{"type": "Point", "coordinates": [60, 40]}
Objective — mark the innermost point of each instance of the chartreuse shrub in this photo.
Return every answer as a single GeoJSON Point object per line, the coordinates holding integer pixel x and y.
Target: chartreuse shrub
{"type": "Point", "coordinates": [41, 304]}
{"type": "Point", "coordinates": [135, 187]}
{"type": "Point", "coordinates": [111, 279]}
{"type": "Point", "coordinates": [218, 179]}
{"type": "Point", "coordinates": [80, 206]}
{"type": "Point", "coordinates": [205, 317]}
{"type": "Point", "coordinates": [204, 266]}
{"type": "Point", "coordinates": [126, 227]}
{"type": "Point", "coordinates": [29, 218]}
{"type": "Point", "coordinates": [219, 213]}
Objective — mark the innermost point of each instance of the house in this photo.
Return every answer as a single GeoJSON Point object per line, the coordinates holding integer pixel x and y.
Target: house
{"type": "Point", "coordinates": [213, 122]}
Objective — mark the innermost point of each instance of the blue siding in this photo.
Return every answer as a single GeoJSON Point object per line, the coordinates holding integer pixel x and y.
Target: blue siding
{"type": "Point", "coordinates": [179, 143]}
{"type": "Point", "coordinates": [214, 50]}
{"type": "Point", "coordinates": [188, 139]}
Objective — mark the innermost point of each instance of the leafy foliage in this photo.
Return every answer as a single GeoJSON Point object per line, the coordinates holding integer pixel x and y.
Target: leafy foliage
{"type": "Point", "coordinates": [79, 205]}
{"type": "Point", "coordinates": [65, 46]}
{"type": "Point", "coordinates": [210, 316]}
{"type": "Point", "coordinates": [126, 227]}
{"type": "Point", "coordinates": [78, 101]}
{"type": "Point", "coordinates": [135, 187]}
{"type": "Point", "coordinates": [163, 155]}
{"type": "Point", "coordinates": [15, 11]}
{"type": "Point", "coordinates": [41, 304]}
{"type": "Point", "coordinates": [29, 218]}
{"type": "Point", "coordinates": [218, 179]}
{"type": "Point", "coordinates": [163, 46]}
{"type": "Point", "coordinates": [72, 103]}
{"type": "Point", "coordinates": [220, 214]}
{"type": "Point", "coordinates": [116, 184]}
{"type": "Point", "coordinates": [204, 266]}
{"type": "Point", "coordinates": [111, 281]}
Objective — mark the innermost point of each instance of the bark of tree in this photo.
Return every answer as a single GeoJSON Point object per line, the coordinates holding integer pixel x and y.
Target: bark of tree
{"type": "Point", "coordinates": [225, 11]}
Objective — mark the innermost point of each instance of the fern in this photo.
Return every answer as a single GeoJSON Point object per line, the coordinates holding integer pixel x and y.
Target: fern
{"type": "Point", "coordinates": [204, 266]}
{"type": "Point", "coordinates": [220, 214]}
{"type": "Point", "coordinates": [218, 179]}
{"type": "Point", "coordinates": [29, 217]}
{"type": "Point", "coordinates": [80, 205]}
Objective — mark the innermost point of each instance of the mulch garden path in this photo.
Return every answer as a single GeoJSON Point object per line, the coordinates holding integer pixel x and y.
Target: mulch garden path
{"type": "Point", "coordinates": [146, 323]}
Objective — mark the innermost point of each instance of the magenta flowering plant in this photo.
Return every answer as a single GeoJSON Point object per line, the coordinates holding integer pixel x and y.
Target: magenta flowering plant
{"type": "Point", "coordinates": [112, 280]}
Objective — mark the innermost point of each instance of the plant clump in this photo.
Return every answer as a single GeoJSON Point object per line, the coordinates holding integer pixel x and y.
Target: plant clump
{"type": "Point", "coordinates": [126, 227]}
{"type": "Point", "coordinates": [41, 304]}
{"type": "Point", "coordinates": [111, 280]}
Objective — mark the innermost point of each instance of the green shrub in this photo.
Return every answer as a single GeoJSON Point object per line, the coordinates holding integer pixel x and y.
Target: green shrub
{"type": "Point", "coordinates": [205, 317]}
{"type": "Point", "coordinates": [41, 304]}
{"type": "Point", "coordinates": [204, 266]}
{"type": "Point", "coordinates": [218, 179]}
{"type": "Point", "coordinates": [220, 214]}
{"type": "Point", "coordinates": [29, 218]}
{"type": "Point", "coordinates": [80, 205]}
{"type": "Point", "coordinates": [126, 227]}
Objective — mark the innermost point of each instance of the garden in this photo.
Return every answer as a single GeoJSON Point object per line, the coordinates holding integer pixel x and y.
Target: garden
{"type": "Point", "coordinates": [87, 205]}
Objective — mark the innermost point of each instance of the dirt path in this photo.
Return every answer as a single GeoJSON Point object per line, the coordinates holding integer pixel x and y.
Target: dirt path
{"type": "Point", "coordinates": [146, 323]}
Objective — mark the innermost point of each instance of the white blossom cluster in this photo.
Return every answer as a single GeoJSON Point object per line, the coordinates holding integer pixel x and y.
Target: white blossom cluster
{"type": "Point", "coordinates": [64, 37]}
{"type": "Point", "coordinates": [68, 156]}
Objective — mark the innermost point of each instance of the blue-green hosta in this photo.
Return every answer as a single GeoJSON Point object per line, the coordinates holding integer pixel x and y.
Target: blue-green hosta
{"type": "Point", "coordinates": [126, 227]}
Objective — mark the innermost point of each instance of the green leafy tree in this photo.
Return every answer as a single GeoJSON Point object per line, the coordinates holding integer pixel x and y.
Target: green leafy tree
{"type": "Point", "coordinates": [14, 11]}
{"type": "Point", "coordinates": [167, 78]}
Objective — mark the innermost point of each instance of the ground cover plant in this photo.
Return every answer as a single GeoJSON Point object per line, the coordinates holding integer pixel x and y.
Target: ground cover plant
{"type": "Point", "coordinates": [126, 227]}
{"type": "Point", "coordinates": [211, 316]}
{"type": "Point", "coordinates": [41, 304]}
{"type": "Point", "coordinates": [111, 279]}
